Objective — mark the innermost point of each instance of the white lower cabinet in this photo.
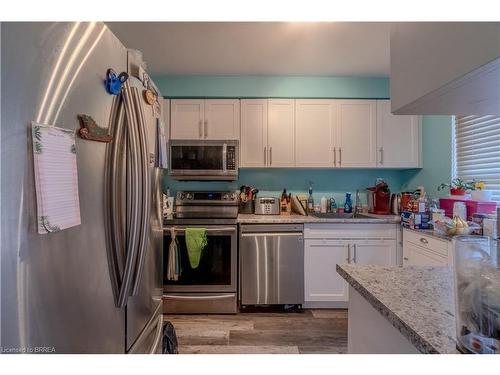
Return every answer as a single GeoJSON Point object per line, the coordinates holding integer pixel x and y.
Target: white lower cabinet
{"type": "Point", "coordinates": [421, 249]}
{"type": "Point", "coordinates": [327, 245]}
{"type": "Point", "coordinates": [379, 252]}
{"type": "Point", "coordinates": [322, 283]}
{"type": "Point", "coordinates": [416, 256]}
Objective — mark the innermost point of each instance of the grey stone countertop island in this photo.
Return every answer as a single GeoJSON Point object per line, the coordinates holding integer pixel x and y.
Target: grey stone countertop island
{"type": "Point", "coordinates": [417, 301]}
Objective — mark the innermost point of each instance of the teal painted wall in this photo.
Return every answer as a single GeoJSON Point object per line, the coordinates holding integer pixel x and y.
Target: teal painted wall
{"type": "Point", "coordinates": [436, 134]}
{"type": "Point", "coordinates": [272, 181]}
{"type": "Point", "coordinates": [437, 151]}
{"type": "Point", "coordinates": [273, 87]}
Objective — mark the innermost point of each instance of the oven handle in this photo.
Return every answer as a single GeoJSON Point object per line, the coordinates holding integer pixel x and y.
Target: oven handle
{"type": "Point", "coordinates": [209, 230]}
{"type": "Point", "coordinates": [220, 296]}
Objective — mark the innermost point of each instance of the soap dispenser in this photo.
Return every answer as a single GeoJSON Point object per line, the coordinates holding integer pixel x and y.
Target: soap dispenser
{"type": "Point", "coordinates": [348, 203]}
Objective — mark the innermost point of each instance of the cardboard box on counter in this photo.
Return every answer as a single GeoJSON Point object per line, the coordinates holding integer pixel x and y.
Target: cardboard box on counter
{"type": "Point", "coordinates": [415, 220]}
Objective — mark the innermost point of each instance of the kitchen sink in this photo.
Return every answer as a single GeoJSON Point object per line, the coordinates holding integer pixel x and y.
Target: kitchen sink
{"type": "Point", "coordinates": [338, 215]}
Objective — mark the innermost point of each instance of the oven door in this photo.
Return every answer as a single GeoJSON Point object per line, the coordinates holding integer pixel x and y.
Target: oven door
{"type": "Point", "coordinates": [203, 160]}
{"type": "Point", "coordinates": [217, 268]}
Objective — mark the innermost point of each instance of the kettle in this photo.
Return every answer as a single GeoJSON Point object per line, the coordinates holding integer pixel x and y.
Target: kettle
{"type": "Point", "coordinates": [395, 204]}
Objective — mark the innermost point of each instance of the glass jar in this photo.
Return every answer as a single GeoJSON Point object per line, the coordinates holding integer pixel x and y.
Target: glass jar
{"type": "Point", "coordinates": [477, 294]}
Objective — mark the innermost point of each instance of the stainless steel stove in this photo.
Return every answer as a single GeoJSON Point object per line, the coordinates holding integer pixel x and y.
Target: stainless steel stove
{"type": "Point", "coordinates": [212, 286]}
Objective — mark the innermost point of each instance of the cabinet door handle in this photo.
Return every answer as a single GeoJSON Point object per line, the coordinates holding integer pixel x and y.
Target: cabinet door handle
{"type": "Point", "coordinates": [355, 253]}
{"type": "Point", "coordinates": [423, 240]}
{"type": "Point", "coordinates": [206, 128]}
{"type": "Point", "coordinates": [348, 253]}
{"type": "Point", "coordinates": [405, 258]}
{"type": "Point", "coordinates": [340, 157]}
{"type": "Point", "coordinates": [200, 129]}
{"type": "Point", "coordinates": [270, 155]}
{"type": "Point", "coordinates": [265, 155]}
{"type": "Point", "coordinates": [334, 156]}
{"type": "Point", "coordinates": [381, 155]}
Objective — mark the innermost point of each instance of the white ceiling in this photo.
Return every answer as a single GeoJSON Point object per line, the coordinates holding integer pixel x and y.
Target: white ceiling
{"type": "Point", "coordinates": [259, 48]}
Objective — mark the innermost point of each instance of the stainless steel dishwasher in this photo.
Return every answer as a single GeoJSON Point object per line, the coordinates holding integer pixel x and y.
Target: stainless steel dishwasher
{"type": "Point", "coordinates": [271, 264]}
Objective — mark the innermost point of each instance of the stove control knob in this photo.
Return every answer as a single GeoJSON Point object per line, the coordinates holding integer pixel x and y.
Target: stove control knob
{"type": "Point", "coordinates": [233, 196]}
{"type": "Point", "coordinates": [183, 196]}
{"type": "Point", "coordinates": [225, 197]}
{"type": "Point", "coordinates": [189, 196]}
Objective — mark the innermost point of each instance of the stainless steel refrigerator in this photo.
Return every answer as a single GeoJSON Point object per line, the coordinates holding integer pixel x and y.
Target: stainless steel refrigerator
{"type": "Point", "coordinates": [95, 287]}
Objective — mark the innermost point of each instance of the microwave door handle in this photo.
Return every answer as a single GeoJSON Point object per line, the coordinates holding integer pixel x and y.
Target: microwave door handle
{"type": "Point", "coordinates": [224, 157]}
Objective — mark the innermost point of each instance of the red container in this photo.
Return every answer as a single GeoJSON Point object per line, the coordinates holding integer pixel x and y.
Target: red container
{"type": "Point", "coordinates": [473, 207]}
{"type": "Point", "coordinates": [457, 191]}
{"type": "Point", "coordinates": [379, 199]}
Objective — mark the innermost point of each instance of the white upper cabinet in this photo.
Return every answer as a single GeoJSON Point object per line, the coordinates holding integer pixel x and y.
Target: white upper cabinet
{"type": "Point", "coordinates": [205, 119]}
{"type": "Point", "coordinates": [253, 133]}
{"type": "Point", "coordinates": [222, 119]}
{"type": "Point", "coordinates": [267, 133]}
{"type": "Point", "coordinates": [398, 138]}
{"type": "Point", "coordinates": [281, 133]}
{"type": "Point", "coordinates": [186, 120]}
{"type": "Point", "coordinates": [356, 133]}
{"type": "Point", "coordinates": [315, 132]}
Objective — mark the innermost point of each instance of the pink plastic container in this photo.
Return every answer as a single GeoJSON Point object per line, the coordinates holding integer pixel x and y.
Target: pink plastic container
{"type": "Point", "coordinates": [473, 207]}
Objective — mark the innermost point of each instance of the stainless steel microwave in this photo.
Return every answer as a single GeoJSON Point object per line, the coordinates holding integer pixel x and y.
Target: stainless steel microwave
{"type": "Point", "coordinates": [204, 160]}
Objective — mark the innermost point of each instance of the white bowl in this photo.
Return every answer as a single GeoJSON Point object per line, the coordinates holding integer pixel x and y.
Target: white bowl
{"type": "Point", "coordinates": [481, 195]}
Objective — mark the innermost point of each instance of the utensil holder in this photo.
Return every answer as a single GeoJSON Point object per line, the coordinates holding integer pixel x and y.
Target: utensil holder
{"type": "Point", "coordinates": [246, 207]}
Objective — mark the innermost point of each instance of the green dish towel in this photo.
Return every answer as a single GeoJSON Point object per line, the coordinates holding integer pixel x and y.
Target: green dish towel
{"type": "Point", "coordinates": [196, 240]}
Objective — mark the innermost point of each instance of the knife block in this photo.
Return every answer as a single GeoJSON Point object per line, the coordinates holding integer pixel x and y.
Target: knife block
{"type": "Point", "coordinates": [285, 207]}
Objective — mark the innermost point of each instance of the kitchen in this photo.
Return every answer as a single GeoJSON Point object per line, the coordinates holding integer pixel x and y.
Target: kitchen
{"type": "Point", "coordinates": [252, 202]}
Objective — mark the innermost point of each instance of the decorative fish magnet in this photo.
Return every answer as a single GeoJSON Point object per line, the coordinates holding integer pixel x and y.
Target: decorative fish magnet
{"type": "Point", "coordinates": [91, 131]}
{"type": "Point", "coordinates": [114, 83]}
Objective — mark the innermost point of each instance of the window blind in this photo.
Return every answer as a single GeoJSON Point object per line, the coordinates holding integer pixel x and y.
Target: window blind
{"type": "Point", "coordinates": [477, 150]}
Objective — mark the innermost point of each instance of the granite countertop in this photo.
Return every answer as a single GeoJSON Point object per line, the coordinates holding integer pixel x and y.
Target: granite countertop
{"type": "Point", "coordinates": [294, 218]}
{"type": "Point", "coordinates": [417, 301]}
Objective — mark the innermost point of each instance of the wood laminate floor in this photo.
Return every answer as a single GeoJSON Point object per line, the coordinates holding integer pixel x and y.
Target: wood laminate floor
{"type": "Point", "coordinates": [307, 331]}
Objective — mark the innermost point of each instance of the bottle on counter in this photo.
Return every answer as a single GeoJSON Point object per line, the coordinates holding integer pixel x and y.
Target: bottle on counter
{"type": "Point", "coordinates": [333, 205]}
{"type": "Point", "coordinates": [324, 204]}
{"type": "Point", "coordinates": [423, 203]}
{"type": "Point", "coordinates": [348, 203]}
{"type": "Point", "coordinates": [310, 199]}
{"type": "Point", "coordinates": [358, 208]}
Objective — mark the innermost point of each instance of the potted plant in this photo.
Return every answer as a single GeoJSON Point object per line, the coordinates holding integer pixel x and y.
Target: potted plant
{"type": "Point", "coordinates": [458, 186]}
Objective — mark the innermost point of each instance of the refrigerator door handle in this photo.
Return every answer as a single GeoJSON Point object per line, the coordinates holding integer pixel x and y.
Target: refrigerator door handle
{"type": "Point", "coordinates": [133, 213]}
{"type": "Point", "coordinates": [158, 336]}
{"type": "Point", "coordinates": [113, 199]}
{"type": "Point", "coordinates": [145, 206]}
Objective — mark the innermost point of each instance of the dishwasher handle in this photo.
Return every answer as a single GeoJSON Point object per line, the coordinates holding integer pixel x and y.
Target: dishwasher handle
{"type": "Point", "coordinates": [273, 234]}
{"type": "Point", "coordinates": [272, 228]}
